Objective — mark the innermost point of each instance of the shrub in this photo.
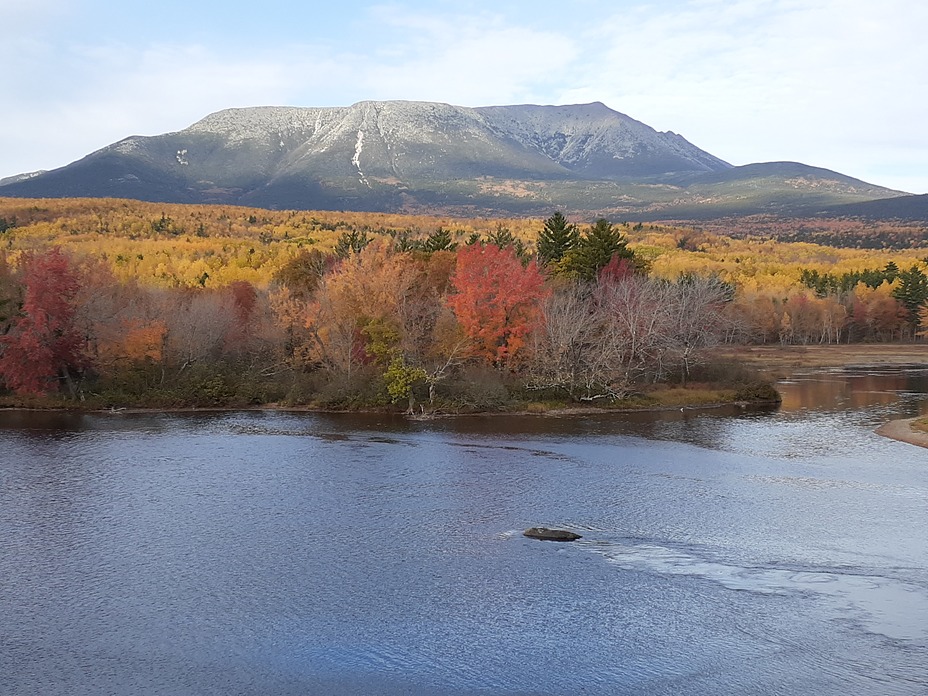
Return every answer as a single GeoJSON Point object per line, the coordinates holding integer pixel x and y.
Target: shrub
{"type": "Point", "coordinates": [758, 391]}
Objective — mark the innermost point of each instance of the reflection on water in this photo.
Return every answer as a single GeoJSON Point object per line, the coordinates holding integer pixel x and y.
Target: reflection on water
{"type": "Point", "coordinates": [724, 551]}
{"type": "Point", "coordinates": [852, 389]}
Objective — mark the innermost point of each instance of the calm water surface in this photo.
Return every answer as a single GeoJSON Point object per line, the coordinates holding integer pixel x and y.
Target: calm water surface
{"type": "Point", "coordinates": [724, 552]}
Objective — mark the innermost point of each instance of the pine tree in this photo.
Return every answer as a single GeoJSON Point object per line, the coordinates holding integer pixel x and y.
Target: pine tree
{"type": "Point", "coordinates": [352, 242]}
{"type": "Point", "coordinates": [439, 240]}
{"type": "Point", "coordinates": [556, 239]}
{"type": "Point", "coordinates": [502, 238]}
{"type": "Point", "coordinates": [596, 248]}
{"type": "Point", "coordinates": [912, 292]}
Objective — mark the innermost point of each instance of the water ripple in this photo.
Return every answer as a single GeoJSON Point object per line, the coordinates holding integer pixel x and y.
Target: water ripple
{"type": "Point", "coordinates": [882, 604]}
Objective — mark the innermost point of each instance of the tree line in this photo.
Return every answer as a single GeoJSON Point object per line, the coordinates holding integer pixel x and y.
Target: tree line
{"type": "Point", "coordinates": [377, 320]}
{"type": "Point", "coordinates": [437, 318]}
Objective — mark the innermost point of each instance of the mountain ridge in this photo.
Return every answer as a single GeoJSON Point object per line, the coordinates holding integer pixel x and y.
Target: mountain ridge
{"type": "Point", "coordinates": [418, 156]}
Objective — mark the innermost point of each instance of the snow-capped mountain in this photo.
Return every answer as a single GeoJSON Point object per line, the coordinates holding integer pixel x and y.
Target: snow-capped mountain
{"type": "Point", "coordinates": [397, 155]}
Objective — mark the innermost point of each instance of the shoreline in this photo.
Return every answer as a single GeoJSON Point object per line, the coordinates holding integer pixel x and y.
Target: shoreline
{"type": "Point", "coordinates": [772, 362]}
{"type": "Point", "coordinates": [559, 412]}
{"type": "Point", "coordinates": [901, 430]}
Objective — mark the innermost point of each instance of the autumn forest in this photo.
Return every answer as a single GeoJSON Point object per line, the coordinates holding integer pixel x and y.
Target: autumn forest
{"type": "Point", "coordinates": [112, 303]}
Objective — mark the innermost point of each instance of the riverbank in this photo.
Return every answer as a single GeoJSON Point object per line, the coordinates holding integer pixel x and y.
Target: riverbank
{"type": "Point", "coordinates": [659, 398]}
{"type": "Point", "coordinates": [905, 430]}
{"type": "Point", "coordinates": [736, 375]}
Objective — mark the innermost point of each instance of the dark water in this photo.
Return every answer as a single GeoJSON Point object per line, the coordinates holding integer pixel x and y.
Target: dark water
{"type": "Point", "coordinates": [724, 552]}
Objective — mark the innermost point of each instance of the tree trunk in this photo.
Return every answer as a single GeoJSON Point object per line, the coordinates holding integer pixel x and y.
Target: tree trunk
{"type": "Point", "coordinates": [69, 381]}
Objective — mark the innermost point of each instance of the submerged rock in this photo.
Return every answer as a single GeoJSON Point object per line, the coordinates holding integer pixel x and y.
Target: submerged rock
{"type": "Point", "coordinates": [546, 534]}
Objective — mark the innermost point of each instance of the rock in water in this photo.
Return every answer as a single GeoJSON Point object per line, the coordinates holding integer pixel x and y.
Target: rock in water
{"type": "Point", "coordinates": [546, 534]}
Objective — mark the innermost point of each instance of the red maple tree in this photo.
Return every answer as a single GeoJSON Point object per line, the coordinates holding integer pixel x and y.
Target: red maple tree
{"type": "Point", "coordinates": [496, 300]}
{"type": "Point", "coordinates": [43, 344]}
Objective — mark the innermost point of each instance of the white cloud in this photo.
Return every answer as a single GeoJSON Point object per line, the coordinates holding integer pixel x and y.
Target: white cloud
{"type": "Point", "coordinates": [18, 16]}
{"type": "Point", "coordinates": [116, 90]}
{"type": "Point", "coordinates": [470, 60]}
{"type": "Point", "coordinates": [834, 82]}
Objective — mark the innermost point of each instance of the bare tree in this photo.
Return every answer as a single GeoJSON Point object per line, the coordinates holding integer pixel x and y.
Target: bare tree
{"type": "Point", "coordinates": [565, 353]}
{"type": "Point", "coordinates": [198, 322]}
{"type": "Point", "coordinates": [636, 325]}
{"type": "Point", "coordinates": [604, 339]}
{"type": "Point", "coordinates": [696, 320]}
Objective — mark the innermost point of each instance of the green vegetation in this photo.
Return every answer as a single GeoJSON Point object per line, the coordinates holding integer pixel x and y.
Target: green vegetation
{"type": "Point", "coordinates": [556, 239]}
{"type": "Point", "coordinates": [599, 244]}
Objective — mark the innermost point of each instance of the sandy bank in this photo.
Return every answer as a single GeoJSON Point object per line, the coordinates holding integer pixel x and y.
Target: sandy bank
{"type": "Point", "coordinates": [902, 430]}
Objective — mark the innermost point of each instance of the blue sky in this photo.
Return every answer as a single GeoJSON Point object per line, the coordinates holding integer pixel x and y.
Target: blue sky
{"type": "Point", "coordinates": [832, 83]}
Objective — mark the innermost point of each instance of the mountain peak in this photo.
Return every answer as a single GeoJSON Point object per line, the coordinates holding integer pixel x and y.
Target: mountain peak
{"type": "Point", "coordinates": [398, 155]}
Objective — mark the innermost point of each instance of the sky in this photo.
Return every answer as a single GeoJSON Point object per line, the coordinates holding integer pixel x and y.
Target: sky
{"type": "Point", "coordinates": [839, 84]}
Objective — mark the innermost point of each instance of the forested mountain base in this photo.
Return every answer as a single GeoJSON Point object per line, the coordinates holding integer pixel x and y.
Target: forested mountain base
{"type": "Point", "coordinates": [111, 303]}
{"type": "Point", "coordinates": [846, 232]}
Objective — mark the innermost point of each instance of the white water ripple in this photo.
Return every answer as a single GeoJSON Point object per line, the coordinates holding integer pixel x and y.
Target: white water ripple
{"type": "Point", "coordinates": [882, 605]}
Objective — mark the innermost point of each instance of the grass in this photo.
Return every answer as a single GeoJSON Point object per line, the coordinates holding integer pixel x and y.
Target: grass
{"type": "Point", "coordinates": [546, 406]}
{"type": "Point", "coordinates": [694, 396]}
{"type": "Point", "coordinates": [691, 396]}
{"type": "Point", "coordinates": [921, 425]}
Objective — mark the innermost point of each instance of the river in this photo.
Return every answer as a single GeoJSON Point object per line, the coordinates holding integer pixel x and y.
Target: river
{"type": "Point", "coordinates": [729, 551]}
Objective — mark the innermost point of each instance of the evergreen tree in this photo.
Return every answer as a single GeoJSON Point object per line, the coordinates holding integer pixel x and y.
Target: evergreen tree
{"type": "Point", "coordinates": [405, 243]}
{"type": "Point", "coordinates": [912, 292]}
{"type": "Point", "coordinates": [502, 238]}
{"type": "Point", "coordinates": [556, 239]}
{"type": "Point", "coordinates": [439, 240]}
{"type": "Point", "coordinates": [596, 248]}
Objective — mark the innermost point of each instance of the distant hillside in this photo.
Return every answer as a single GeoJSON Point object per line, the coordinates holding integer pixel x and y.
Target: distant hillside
{"type": "Point", "coordinates": [399, 156]}
{"type": "Point", "coordinates": [20, 177]}
{"type": "Point", "coordinates": [768, 188]}
{"type": "Point", "coordinates": [906, 208]}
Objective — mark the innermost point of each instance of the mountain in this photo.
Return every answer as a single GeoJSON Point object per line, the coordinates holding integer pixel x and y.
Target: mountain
{"type": "Point", "coordinates": [20, 177]}
{"type": "Point", "coordinates": [905, 208]}
{"type": "Point", "coordinates": [773, 188]}
{"type": "Point", "coordinates": [423, 156]}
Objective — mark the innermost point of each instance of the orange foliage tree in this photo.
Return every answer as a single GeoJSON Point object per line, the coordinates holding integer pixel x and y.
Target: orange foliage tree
{"type": "Point", "coordinates": [357, 304]}
{"type": "Point", "coordinates": [497, 300]}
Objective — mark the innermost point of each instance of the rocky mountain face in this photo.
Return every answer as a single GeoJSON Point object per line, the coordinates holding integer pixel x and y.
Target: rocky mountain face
{"type": "Point", "coordinates": [422, 156]}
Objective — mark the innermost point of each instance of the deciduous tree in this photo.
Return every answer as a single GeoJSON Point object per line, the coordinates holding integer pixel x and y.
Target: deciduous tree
{"type": "Point", "coordinates": [496, 300]}
{"type": "Point", "coordinates": [696, 319]}
{"type": "Point", "coordinates": [365, 289]}
{"type": "Point", "coordinates": [568, 353]}
{"type": "Point", "coordinates": [637, 327]}
{"type": "Point", "coordinates": [44, 345]}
